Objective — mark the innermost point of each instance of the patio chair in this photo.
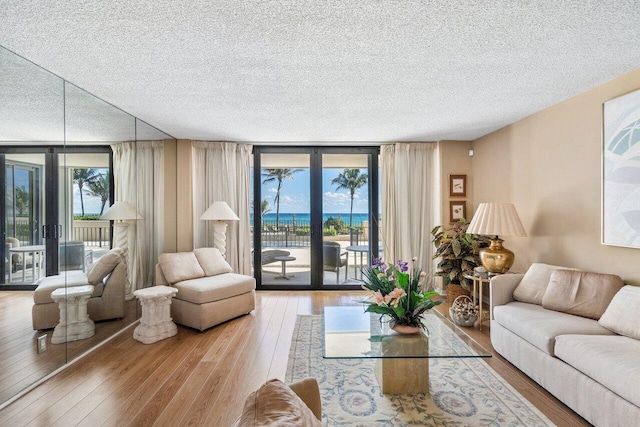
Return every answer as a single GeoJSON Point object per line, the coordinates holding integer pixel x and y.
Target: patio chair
{"type": "Point", "coordinates": [333, 259]}
{"type": "Point", "coordinates": [71, 256]}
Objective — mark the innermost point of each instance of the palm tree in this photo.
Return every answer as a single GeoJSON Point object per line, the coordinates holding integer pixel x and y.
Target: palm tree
{"type": "Point", "coordinates": [22, 199]}
{"type": "Point", "coordinates": [264, 208]}
{"type": "Point", "coordinates": [350, 179]}
{"type": "Point", "coordinates": [82, 177]}
{"type": "Point", "coordinates": [99, 187]}
{"type": "Point", "coordinates": [278, 175]}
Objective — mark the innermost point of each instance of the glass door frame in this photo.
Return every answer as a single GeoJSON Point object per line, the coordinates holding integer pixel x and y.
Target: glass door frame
{"type": "Point", "coordinates": [316, 210]}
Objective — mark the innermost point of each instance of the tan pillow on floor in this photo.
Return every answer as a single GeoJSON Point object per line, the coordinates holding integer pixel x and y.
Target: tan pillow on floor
{"type": "Point", "coordinates": [275, 404]}
{"type": "Point", "coordinates": [581, 293]}
{"type": "Point", "coordinates": [533, 285]}
{"type": "Point", "coordinates": [623, 314]}
{"type": "Point", "coordinates": [104, 266]}
{"type": "Point", "coordinates": [180, 266]}
{"type": "Point", "coordinates": [212, 261]}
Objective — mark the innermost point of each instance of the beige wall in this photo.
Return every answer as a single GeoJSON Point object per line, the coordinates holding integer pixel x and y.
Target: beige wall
{"type": "Point", "coordinates": [455, 160]}
{"type": "Point", "coordinates": [549, 166]}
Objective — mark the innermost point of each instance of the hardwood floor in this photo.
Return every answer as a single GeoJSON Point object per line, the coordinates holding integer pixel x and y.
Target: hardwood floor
{"type": "Point", "coordinates": [199, 378]}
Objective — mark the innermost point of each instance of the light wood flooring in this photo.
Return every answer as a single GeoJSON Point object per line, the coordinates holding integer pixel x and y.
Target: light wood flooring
{"type": "Point", "coordinates": [203, 379]}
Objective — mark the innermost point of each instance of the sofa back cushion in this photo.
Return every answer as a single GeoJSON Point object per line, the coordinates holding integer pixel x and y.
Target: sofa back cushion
{"type": "Point", "coordinates": [622, 316]}
{"type": "Point", "coordinates": [581, 293]}
{"type": "Point", "coordinates": [180, 266]}
{"type": "Point", "coordinates": [275, 404]}
{"type": "Point", "coordinates": [100, 269]}
{"type": "Point", "coordinates": [533, 285]}
{"type": "Point", "coordinates": [212, 261]}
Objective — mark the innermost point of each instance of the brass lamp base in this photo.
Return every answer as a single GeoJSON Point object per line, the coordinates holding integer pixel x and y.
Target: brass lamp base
{"type": "Point", "coordinates": [496, 258]}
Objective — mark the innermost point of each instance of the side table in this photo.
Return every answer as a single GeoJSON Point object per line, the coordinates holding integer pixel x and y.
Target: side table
{"type": "Point", "coordinates": [156, 323]}
{"type": "Point", "coordinates": [74, 321]}
{"type": "Point", "coordinates": [478, 282]}
{"type": "Point", "coordinates": [284, 260]}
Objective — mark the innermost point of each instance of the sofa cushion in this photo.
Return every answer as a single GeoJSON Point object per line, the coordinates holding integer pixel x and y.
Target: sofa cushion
{"type": "Point", "coordinates": [622, 316]}
{"type": "Point", "coordinates": [46, 285]}
{"type": "Point", "coordinates": [533, 285]}
{"type": "Point", "coordinates": [212, 261]}
{"type": "Point", "coordinates": [610, 360]}
{"type": "Point", "coordinates": [180, 266]}
{"type": "Point", "coordinates": [581, 293]}
{"type": "Point", "coordinates": [214, 288]}
{"type": "Point", "coordinates": [275, 404]}
{"type": "Point", "coordinates": [104, 266]}
{"type": "Point", "coordinates": [540, 327]}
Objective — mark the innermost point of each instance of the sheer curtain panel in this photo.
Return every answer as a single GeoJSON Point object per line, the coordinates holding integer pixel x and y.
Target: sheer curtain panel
{"type": "Point", "coordinates": [410, 202]}
{"type": "Point", "coordinates": [138, 172]}
{"type": "Point", "coordinates": [222, 172]}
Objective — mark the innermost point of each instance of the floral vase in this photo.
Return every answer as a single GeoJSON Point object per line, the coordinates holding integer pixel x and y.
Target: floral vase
{"type": "Point", "coordinates": [404, 329]}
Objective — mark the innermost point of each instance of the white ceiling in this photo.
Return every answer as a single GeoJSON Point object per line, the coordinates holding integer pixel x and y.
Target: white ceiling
{"type": "Point", "coordinates": [331, 70]}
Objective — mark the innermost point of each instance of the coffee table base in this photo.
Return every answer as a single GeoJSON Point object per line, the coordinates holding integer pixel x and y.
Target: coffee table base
{"type": "Point", "coordinates": [403, 376]}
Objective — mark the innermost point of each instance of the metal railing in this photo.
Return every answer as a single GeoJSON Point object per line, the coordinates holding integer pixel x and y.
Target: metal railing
{"type": "Point", "coordinates": [96, 236]}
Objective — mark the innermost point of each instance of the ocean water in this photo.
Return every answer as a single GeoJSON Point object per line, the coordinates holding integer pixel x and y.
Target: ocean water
{"type": "Point", "coordinates": [303, 218]}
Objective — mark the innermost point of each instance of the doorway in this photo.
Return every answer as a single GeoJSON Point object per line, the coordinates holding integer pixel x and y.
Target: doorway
{"type": "Point", "coordinates": [42, 230]}
{"type": "Point", "coordinates": [315, 216]}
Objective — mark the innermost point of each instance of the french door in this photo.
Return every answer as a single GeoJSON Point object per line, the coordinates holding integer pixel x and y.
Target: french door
{"type": "Point", "coordinates": [40, 190]}
{"type": "Point", "coordinates": [315, 216]}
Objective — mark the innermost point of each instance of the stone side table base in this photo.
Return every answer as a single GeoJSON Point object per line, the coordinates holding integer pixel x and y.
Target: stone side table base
{"type": "Point", "coordinates": [74, 321]}
{"type": "Point", "coordinates": [156, 323]}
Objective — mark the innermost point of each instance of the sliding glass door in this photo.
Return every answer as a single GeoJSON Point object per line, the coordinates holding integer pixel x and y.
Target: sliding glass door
{"type": "Point", "coordinates": [313, 221]}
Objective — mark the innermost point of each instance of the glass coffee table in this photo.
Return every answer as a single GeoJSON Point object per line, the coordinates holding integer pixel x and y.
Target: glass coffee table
{"type": "Point", "coordinates": [402, 361]}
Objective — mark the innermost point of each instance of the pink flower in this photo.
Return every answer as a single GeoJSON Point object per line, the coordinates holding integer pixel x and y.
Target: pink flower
{"type": "Point", "coordinates": [395, 296]}
{"type": "Point", "coordinates": [377, 298]}
{"type": "Point", "coordinates": [423, 274]}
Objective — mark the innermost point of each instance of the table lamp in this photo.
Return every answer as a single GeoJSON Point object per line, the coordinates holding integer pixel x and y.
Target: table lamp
{"type": "Point", "coordinates": [219, 212]}
{"type": "Point", "coordinates": [121, 213]}
{"type": "Point", "coordinates": [496, 219]}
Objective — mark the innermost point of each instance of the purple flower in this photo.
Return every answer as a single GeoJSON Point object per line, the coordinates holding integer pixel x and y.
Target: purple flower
{"type": "Point", "coordinates": [377, 262]}
{"type": "Point", "coordinates": [402, 266]}
{"type": "Point", "coordinates": [383, 267]}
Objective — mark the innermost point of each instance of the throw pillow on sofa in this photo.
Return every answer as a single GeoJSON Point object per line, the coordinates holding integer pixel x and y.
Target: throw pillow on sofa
{"type": "Point", "coordinates": [275, 404]}
{"type": "Point", "coordinates": [534, 283]}
{"type": "Point", "coordinates": [180, 266]}
{"type": "Point", "coordinates": [581, 293]}
{"type": "Point", "coordinates": [622, 315]}
{"type": "Point", "coordinates": [212, 261]}
{"type": "Point", "coordinates": [104, 266]}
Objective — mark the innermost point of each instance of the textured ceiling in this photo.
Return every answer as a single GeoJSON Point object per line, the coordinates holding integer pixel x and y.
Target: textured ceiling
{"type": "Point", "coordinates": [313, 71]}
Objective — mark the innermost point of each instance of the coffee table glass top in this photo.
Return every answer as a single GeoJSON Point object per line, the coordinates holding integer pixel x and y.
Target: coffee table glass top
{"type": "Point", "coordinates": [350, 333]}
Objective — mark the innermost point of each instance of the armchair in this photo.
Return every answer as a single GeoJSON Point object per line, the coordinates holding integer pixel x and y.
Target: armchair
{"type": "Point", "coordinates": [333, 259]}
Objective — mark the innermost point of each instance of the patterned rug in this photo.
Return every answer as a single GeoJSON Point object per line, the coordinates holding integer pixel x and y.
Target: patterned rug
{"type": "Point", "coordinates": [464, 392]}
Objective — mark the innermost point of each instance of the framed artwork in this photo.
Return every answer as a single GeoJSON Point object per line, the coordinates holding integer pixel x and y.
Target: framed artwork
{"type": "Point", "coordinates": [457, 185]}
{"type": "Point", "coordinates": [457, 210]}
{"type": "Point", "coordinates": [621, 171]}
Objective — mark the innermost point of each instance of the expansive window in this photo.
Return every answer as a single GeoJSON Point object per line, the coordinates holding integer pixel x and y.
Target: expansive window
{"type": "Point", "coordinates": [314, 225]}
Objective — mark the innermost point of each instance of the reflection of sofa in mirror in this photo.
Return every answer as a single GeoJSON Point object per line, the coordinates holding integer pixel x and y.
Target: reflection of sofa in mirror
{"type": "Point", "coordinates": [108, 275]}
{"type": "Point", "coordinates": [71, 256]}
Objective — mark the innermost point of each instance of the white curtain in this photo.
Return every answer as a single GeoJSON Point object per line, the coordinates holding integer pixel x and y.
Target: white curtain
{"type": "Point", "coordinates": [138, 171]}
{"type": "Point", "coordinates": [222, 172]}
{"type": "Point", "coordinates": [410, 202]}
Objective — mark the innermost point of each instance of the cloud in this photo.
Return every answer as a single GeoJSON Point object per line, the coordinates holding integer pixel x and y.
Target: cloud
{"type": "Point", "coordinates": [336, 199]}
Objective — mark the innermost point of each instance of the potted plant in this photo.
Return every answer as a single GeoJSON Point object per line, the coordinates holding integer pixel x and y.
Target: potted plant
{"type": "Point", "coordinates": [458, 251]}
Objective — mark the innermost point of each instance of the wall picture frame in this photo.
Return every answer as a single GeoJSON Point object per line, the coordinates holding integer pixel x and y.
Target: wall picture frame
{"type": "Point", "coordinates": [457, 185]}
{"type": "Point", "coordinates": [621, 171]}
{"type": "Point", "coordinates": [457, 210]}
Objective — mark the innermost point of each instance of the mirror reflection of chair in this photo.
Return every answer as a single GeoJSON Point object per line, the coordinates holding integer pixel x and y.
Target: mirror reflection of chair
{"type": "Point", "coordinates": [333, 260]}
{"type": "Point", "coordinates": [71, 256]}
{"type": "Point", "coordinates": [15, 261]}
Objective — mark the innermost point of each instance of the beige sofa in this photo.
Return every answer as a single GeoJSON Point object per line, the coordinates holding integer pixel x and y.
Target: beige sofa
{"type": "Point", "coordinates": [107, 275]}
{"type": "Point", "coordinates": [209, 293]}
{"type": "Point", "coordinates": [574, 333]}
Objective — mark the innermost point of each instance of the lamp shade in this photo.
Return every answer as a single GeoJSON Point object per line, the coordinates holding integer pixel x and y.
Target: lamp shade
{"type": "Point", "coordinates": [219, 211]}
{"type": "Point", "coordinates": [121, 211]}
{"type": "Point", "coordinates": [496, 219]}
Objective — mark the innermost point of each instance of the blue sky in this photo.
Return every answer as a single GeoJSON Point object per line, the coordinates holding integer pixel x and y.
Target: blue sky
{"type": "Point", "coordinates": [294, 195]}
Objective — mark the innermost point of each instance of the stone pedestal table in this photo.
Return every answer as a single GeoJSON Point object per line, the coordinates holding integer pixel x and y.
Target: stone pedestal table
{"type": "Point", "coordinates": [156, 323]}
{"type": "Point", "coordinates": [74, 321]}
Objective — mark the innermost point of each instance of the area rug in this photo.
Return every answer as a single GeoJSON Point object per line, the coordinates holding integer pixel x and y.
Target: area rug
{"type": "Point", "coordinates": [464, 392]}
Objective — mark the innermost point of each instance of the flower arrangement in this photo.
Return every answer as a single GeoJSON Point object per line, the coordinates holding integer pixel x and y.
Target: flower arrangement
{"type": "Point", "coordinates": [395, 291]}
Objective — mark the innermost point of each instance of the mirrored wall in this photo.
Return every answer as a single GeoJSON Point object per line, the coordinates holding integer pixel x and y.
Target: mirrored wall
{"type": "Point", "coordinates": [57, 180]}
